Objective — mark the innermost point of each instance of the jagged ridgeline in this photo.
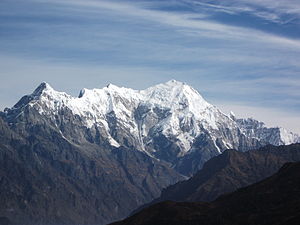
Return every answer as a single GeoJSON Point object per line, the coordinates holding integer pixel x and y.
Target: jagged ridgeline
{"type": "Point", "coordinates": [170, 122]}
{"type": "Point", "coordinates": [94, 158]}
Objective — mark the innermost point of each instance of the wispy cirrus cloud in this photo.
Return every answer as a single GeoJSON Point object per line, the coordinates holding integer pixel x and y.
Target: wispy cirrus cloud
{"type": "Point", "coordinates": [281, 11]}
{"type": "Point", "coordinates": [193, 22]}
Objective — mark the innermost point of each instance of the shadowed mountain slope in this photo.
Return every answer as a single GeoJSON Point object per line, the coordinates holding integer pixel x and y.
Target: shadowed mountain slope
{"type": "Point", "coordinates": [275, 200]}
{"type": "Point", "coordinates": [232, 170]}
{"type": "Point", "coordinates": [45, 179]}
{"type": "Point", "coordinates": [229, 171]}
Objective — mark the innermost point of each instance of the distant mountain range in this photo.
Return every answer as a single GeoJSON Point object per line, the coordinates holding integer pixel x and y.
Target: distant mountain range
{"type": "Point", "coordinates": [94, 158]}
{"type": "Point", "coordinates": [275, 200]}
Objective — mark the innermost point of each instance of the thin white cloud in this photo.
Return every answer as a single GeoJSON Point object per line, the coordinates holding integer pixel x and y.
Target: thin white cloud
{"type": "Point", "coordinates": [279, 11]}
{"type": "Point", "coordinates": [282, 5]}
{"type": "Point", "coordinates": [221, 8]}
{"type": "Point", "coordinates": [273, 10]}
{"type": "Point", "coordinates": [192, 22]}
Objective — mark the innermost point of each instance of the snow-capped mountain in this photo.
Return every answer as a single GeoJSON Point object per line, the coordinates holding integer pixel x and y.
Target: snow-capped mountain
{"type": "Point", "coordinates": [94, 158]}
{"type": "Point", "coordinates": [169, 121]}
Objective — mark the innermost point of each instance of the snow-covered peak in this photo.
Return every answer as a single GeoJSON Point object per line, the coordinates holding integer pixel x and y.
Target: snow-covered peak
{"type": "Point", "coordinates": [288, 137]}
{"type": "Point", "coordinates": [120, 91]}
{"type": "Point", "coordinates": [42, 88]}
{"type": "Point", "coordinates": [110, 93]}
{"type": "Point", "coordinates": [45, 93]}
{"type": "Point", "coordinates": [82, 92]}
{"type": "Point", "coordinates": [232, 115]}
{"type": "Point", "coordinates": [165, 90]}
{"type": "Point", "coordinates": [112, 86]}
{"type": "Point", "coordinates": [175, 95]}
{"type": "Point", "coordinates": [41, 93]}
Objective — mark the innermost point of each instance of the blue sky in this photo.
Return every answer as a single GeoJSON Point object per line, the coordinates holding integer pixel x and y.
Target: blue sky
{"type": "Point", "coordinates": [241, 55]}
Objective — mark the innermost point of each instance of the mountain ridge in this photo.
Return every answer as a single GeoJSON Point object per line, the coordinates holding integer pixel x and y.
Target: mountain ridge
{"type": "Point", "coordinates": [274, 200]}
{"type": "Point", "coordinates": [169, 121]}
{"type": "Point", "coordinates": [227, 172]}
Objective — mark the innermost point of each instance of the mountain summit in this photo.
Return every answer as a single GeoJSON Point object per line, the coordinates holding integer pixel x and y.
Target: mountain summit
{"type": "Point", "coordinates": [169, 121]}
